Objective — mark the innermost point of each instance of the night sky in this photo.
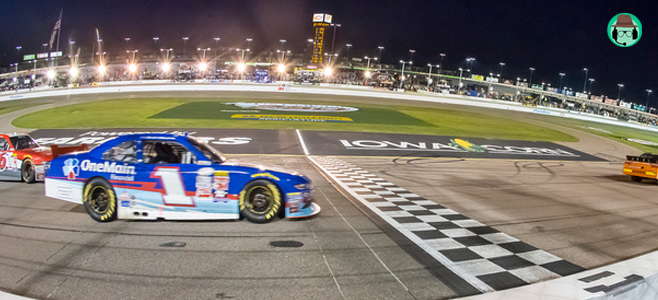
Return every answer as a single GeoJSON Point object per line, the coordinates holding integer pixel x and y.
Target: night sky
{"type": "Point", "coordinates": [551, 36]}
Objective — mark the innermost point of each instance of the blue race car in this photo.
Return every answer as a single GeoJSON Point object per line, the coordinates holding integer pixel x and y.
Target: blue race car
{"type": "Point", "coordinates": [174, 177]}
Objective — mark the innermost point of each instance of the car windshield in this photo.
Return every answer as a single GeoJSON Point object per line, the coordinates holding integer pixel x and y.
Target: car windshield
{"type": "Point", "coordinates": [22, 142]}
{"type": "Point", "coordinates": [208, 151]}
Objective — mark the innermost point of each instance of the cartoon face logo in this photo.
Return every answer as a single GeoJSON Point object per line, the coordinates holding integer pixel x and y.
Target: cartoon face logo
{"type": "Point", "coordinates": [71, 169]}
{"type": "Point", "coordinates": [624, 30]}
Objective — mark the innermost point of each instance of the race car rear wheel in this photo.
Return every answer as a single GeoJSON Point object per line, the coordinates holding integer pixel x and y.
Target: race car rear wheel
{"type": "Point", "coordinates": [260, 201]}
{"type": "Point", "coordinates": [100, 200]}
{"type": "Point", "coordinates": [636, 178]}
{"type": "Point", "coordinates": [27, 171]}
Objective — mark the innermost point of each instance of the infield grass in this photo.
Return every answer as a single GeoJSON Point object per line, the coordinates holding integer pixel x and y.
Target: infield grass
{"type": "Point", "coordinates": [160, 113]}
{"type": "Point", "coordinates": [14, 105]}
{"type": "Point", "coordinates": [618, 133]}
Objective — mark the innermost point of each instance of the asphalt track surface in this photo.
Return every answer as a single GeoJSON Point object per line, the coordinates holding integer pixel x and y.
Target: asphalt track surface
{"type": "Point", "coordinates": [582, 211]}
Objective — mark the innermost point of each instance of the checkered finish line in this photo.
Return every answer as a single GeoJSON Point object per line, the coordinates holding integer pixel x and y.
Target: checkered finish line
{"type": "Point", "coordinates": [487, 259]}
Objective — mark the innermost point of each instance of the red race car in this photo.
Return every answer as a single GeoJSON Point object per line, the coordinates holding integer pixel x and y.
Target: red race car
{"type": "Point", "coordinates": [21, 158]}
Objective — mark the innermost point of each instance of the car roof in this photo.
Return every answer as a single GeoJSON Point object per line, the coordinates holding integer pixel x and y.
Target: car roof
{"type": "Point", "coordinates": [153, 136]}
{"type": "Point", "coordinates": [13, 134]}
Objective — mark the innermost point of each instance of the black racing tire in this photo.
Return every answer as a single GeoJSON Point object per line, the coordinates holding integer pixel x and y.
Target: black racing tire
{"type": "Point", "coordinates": [99, 200]}
{"type": "Point", "coordinates": [636, 178]}
{"type": "Point", "coordinates": [260, 201]}
{"type": "Point", "coordinates": [28, 173]}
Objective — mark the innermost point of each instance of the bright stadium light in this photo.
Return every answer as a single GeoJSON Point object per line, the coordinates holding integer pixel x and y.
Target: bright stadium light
{"type": "Point", "coordinates": [132, 68]}
{"type": "Point", "coordinates": [242, 67]}
{"type": "Point", "coordinates": [73, 71]}
{"type": "Point", "coordinates": [203, 66]}
{"type": "Point", "coordinates": [166, 67]}
{"type": "Point", "coordinates": [368, 74]}
{"type": "Point", "coordinates": [51, 74]}
{"type": "Point", "coordinates": [281, 68]}
{"type": "Point", "coordinates": [102, 69]}
{"type": "Point", "coordinates": [328, 71]}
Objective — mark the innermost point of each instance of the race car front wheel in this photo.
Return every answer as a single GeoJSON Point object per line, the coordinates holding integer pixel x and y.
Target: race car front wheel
{"type": "Point", "coordinates": [27, 171]}
{"type": "Point", "coordinates": [100, 201]}
{"type": "Point", "coordinates": [260, 201]}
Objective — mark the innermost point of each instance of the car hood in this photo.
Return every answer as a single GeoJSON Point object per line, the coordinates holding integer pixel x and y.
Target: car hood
{"type": "Point", "coordinates": [261, 168]}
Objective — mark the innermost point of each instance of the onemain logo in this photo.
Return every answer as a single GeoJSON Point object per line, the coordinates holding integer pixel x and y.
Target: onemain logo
{"type": "Point", "coordinates": [107, 167]}
{"type": "Point", "coordinates": [71, 169]}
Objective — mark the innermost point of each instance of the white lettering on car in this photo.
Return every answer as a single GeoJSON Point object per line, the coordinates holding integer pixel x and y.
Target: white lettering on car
{"type": "Point", "coordinates": [107, 167]}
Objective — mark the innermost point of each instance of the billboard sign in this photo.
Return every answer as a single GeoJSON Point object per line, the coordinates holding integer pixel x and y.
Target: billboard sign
{"type": "Point", "coordinates": [42, 55]}
{"type": "Point", "coordinates": [29, 56]}
{"type": "Point", "coordinates": [322, 18]}
{"type": "Point", "coordinates": [56, 54]}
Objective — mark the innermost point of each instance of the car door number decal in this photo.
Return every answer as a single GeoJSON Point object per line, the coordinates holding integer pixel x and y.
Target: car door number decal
{"type": "Point", "coordinates": [172, 183]}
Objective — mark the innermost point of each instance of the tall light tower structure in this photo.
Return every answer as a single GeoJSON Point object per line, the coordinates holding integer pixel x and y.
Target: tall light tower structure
{"type": "Point", "coordinates": [320, 23]}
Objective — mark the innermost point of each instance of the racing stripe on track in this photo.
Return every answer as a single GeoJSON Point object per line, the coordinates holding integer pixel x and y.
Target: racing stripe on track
{"type": "Point", "coordinates": [484, 257]}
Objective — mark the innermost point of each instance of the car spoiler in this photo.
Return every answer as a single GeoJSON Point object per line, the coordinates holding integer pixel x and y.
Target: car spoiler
{"type": "Point", "coordinates": [61, 150]}
{"type": "Point", "coordinates": [645, 158]}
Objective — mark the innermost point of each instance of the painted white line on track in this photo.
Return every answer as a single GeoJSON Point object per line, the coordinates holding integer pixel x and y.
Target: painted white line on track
{"type": "Point", "coordinates": [326, 173]}
{"type": "Point", "coordinates": [301, 141]}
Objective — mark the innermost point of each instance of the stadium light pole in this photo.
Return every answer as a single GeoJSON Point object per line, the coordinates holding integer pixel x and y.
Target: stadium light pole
{"type": "Point", "coordinates": [185, 38]}
{"type": "Point", "coordinates": [127, 40]}
{"type": "Point", "coordinates": [168, 50]}
{"type": "Point", "coordinates": [283, 54]}
{"type": "Point", "coordinates": [379, 57]}
{"type": "Point", "coordinates": [155, 45]}
{"type": "Point", "coordinates": [249, 40]}
{"type": "Point", "coordinates": [348, 54]}
{"type": "Point", "coordinates": [216, 42]}
{"type": "Point", "coordinates": [368, 67]}
{"type": "Point", "coordinates": [460, 78]}
{"type": "Point", "coordinates": [133, 51]}
{"type": "Point", "coordinates": [282, 41]}
{"type": "Point", "coordinates": [429, 76]}
{"type": "Point", "coordinates": [591, 81]}
{"type": "Point", "coordinates": [646, 105]}
{"type": "Point", "coordinates": [34, 73]}
{"type": "Point", "coordinates": [333, 40]}
{"type": "Point", "coordinates": [243, 51]}
{"type": "Point", "coordinates": [585, 83]}
{"type": "Point", "coordinates": [18, 52]}
{"type": "Point", "coordinates": [71, 43]}
{"type": "Point", "coordinates": [619, 94]}
{"type": "Point", "coordinates": [411, 54]}
{"type": "Point", "coordinates": [502, 64]}
{"type": "Point", "coordinates": [532, 70]}
{"type": "Point", "coordinates": [402, 77]}
{"type": "Point", "coordinates": [469, 62]}
{"type": "Point", "coordinates": [441, 64]}
{"type": "Point", "coordinates": [203, 64]}
{"type": "Point", "coordinates": [561, 76]}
